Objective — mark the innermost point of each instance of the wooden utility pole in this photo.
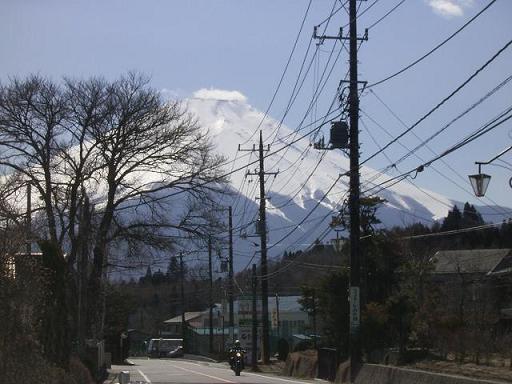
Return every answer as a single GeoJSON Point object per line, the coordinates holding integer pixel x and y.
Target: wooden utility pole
{"type": "Point", "coordinates": [314, 316]}
{"type": "Point", "coordinates": [262, 231]}
{"type": "Point", "coordinates": [254, 357]}
{"type": "Point", "coordinates": [210, 295]}
{"type": "Point", "coordinates": [277, 316]}
{"type": "Point", "coordinates": [230, 278]}
{"type": "Point", "coordinates": [264, 269]}
{"type": "Point", "coordinates": [354, 204]}
{"type": "Point", "coordinates": [354, 189]}
{"type": "Point", "coordinates": [28, 236]}
{"type": "Point", "coordinates": [183, 319]}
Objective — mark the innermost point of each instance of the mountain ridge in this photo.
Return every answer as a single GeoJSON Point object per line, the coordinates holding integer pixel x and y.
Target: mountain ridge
{"type": "Point", "coordinates": [232, 121]}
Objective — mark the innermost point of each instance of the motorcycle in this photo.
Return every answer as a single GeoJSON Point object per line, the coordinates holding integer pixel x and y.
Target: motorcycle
{"type": "Point", "coordinates": [238, 363]}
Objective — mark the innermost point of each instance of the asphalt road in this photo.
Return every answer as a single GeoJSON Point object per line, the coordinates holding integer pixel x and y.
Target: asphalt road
{"type": "Point", "coordinates": [167, 371]}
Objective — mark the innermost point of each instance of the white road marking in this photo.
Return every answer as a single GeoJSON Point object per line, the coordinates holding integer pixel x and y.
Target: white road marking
{"type": "Point", "coordinates": [275, 378]}
{"type": "Point", "coordinates": [144, 376]}
{"type": "Point", "coordinates": [270, 377]}
{"type": "Point", "coordinates": [203, 374]}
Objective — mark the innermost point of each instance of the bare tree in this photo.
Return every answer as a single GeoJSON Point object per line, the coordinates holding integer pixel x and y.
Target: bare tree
{"type": "Point", "coordinates": [111, 162]}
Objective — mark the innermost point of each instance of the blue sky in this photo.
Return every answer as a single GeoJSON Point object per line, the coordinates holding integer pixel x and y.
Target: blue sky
{"type": "Point", "coordinates": [243, 45]}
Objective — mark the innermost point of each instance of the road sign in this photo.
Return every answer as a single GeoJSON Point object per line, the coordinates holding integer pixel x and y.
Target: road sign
{"type": "Point", "coordinates": [355, 313]}
{"type": "Point", "coordinates": [246, 341]}
{"type": "Point", "coordinates": [273, 318]}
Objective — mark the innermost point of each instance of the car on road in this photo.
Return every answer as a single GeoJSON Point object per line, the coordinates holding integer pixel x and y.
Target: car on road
{"type": "Point", "coordinates": [165, 348]}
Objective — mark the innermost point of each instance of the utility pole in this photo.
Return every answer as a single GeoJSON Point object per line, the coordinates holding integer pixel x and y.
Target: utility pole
{"type": "Point", "coordinates": [314, 316]}
{"type": "Point", "coordinates": [29, 220]}
{"type": "Point", "coordinates": [355, 250]}
{"type": "Point", "coordinates": [354, 195]}
{"type": "Point", "coordinates": [264, 270]}
{"type": "Point", "coordinates": [277, 315]}
{"type": "Point", "coordinates": [262, 230]}
{"type": "Point", "coordinates": [183, 320]}
{"type": "Point", "coordinates": [210, 295]}
{"type": "Point", "coordinates": [230, 279]}
{"type": "Point", "coordinates": [254, 357]}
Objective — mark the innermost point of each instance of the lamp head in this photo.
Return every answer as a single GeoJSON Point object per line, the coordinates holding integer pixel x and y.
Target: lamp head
{"type": "Point", "coordinates": [479, 182]}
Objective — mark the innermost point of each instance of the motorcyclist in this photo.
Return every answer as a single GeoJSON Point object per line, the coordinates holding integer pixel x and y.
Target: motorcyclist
{"type": "Point", "coordinates": [232, 353]}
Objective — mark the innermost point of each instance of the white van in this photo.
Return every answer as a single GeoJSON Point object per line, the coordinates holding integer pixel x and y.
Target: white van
{"type": "Point", "coordinates": [165, 348]}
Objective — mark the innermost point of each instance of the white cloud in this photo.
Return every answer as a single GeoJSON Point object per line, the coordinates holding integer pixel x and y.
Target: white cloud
{"type": "Point", "coordinates": [450, 8]}
{"type": "Point", "coordinates": [219, 94]}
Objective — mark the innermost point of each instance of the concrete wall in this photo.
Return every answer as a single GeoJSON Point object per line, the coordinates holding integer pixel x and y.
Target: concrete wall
{"type": "Point", "coordinates": [304, 365]}
{"type": "Point", "coordinates": [383, 374]}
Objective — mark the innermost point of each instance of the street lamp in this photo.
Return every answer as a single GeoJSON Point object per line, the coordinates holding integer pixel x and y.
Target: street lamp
{"type": "Point", "coordinates": [480, 181]}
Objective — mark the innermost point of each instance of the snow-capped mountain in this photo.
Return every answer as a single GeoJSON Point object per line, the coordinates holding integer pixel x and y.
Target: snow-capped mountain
{"type": "Point", "coordinates": [304, 183]}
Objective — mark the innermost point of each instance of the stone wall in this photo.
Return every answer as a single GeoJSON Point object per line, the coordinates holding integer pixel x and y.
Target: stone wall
{"type": "Point", "coordinates": [301, 364]}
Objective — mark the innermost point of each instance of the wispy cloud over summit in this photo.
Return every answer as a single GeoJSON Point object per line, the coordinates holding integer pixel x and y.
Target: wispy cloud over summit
{"type": "Point", "coordinates": [219, 94]}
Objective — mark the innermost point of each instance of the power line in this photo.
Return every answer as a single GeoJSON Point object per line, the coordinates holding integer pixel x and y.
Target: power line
{"type": "Point", "coordinates": [363, 12]}
{"type": "Point", "coordinates": [387, 157]}
{"type": "Point", "coordinates": [321, 237]}
{"type": "Point", "coordinates": [295, 91]}
{"type": "Point", "coordinates": [453, 232]}
{"type": "Point", "coordinates": [451, 122]}
{"type": "Point", "coordinates": [307, 216]}
{"type": "Point", "coordinates": [284, 71]}
{"type": "Point", "coordinates": [332, 13]}
{"type": "Point", "coordinates": [481, 131]}
{"type": "Point", "coordinates": [433, 49]}
{"type": "Point", "coordinates": [297, 168]}
{"type": "Point", "coordinates": [449, 179]}
{"type": "Point", "coordinates": [386, 14]}
{"type": "Point", "coordinates": [453, 93]}
{"type": "Point", "coordinates": [317, 92]}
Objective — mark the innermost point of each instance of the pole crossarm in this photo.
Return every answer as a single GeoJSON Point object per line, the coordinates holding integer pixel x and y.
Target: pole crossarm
{"type": "Point", "coordinates": [337, 37]}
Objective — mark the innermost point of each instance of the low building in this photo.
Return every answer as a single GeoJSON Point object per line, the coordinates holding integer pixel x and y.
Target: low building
{"type": "Point", "coordinates": [474, 263]}
{"type": "Point", "coordinates": [196, 337]}
{"type": "Point", "coordinates": [477, 280]}
{"type": "Point", "coordinates": [285, 309]}
{"type": "Point", "coordinates": [173, 327]}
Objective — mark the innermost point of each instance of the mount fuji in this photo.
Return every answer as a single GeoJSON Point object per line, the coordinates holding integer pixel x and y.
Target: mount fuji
{"type": "Point", "coordinates": [308, 188]}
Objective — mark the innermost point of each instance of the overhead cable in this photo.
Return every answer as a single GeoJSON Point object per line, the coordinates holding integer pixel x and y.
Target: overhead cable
{"type": "Point", "coordinates": [433, 49]}
{"type": "Point", "coordinates": [453, 93]}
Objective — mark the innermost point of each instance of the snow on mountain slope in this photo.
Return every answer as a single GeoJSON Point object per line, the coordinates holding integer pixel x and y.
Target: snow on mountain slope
{"type": "Point", "coordinates": [232, 121]}
{"type": "Point", "coordinates": [302, 183]}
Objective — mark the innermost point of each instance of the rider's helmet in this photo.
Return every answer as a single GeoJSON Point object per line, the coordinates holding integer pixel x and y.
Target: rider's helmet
{"type": "Point", "coordinates": [237, 343]}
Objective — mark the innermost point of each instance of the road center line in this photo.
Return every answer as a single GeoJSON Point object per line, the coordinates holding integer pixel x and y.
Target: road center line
{"type": "Point", "coordinates": [144, 376]}
{"type": "Point", "coordinates": [275, 378]}
{"type": "Point", "coordinates": [203, 374]}
{"type": "Point", "coordinates": [270, 377]}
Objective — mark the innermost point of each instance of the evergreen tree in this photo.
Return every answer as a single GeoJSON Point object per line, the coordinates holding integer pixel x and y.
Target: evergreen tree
{"type": "Point", "coordinates": [173, 270]}
{"type": "Point", "coordinates": [505, 234]}
{"type": "Point", "coordinates": [333, 307]}
{"type": "Point", "coordinates": [147, 278]}
{"type": "Point", "coordinates": [369, 220]}
{"type": "Point", "coordinates": [453, 220]}
{"type": "Point", "coordinates": [471, 217]}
